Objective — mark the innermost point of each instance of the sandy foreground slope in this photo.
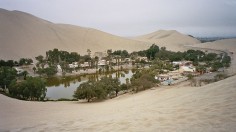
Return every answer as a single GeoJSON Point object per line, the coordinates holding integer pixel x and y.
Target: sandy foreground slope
{"type": "Point", "coordinates": [170, 39]}
{"type": "Point", "coordinates": [175, 108]}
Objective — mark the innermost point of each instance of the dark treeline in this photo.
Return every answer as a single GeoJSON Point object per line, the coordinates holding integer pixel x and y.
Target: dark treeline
{"type": "Point", "coordinates": [7, 75]}
{"type": "Point", "coordinates": [143, 80]}
{"type": "Point", "coordinates": [108, 87]}
{"type": "Point", "coordinates": [33, 88]}
{"type": "Point", "coordinates": [29, 89]}
{"type": "Point", "coordinates": [11, 63]}
{"type": "Point", "coordinates": [55, 56]}
{"type": "Point", "coordinates": [213, 60]}
{"type": "Point", "coordinates": [101, 89]}
{"type": "Point", "coordinates": [122, 53]}
{"type": "Point", "coordinates": [150, 53]}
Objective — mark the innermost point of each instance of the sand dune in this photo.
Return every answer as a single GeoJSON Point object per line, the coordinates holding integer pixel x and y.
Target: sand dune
{"type": "Point", "coordinates": [175, 108]}
{"type": "Point", "coordinates": [24, 35]}
{"type": "Point", "coordinates": [225, 44]}
{"type": "Point", "coordinates": [170, 39]}
{"type": "Point", "coordinates": [171, 108]}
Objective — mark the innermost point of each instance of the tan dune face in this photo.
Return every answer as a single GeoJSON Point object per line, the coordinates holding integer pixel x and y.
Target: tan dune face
{"type": "Point", "coordinates": [171, 39]}
{"type": "Point", "coordinates": [24, 35]}
{"type": "Point", "coordinates": [225, 44]}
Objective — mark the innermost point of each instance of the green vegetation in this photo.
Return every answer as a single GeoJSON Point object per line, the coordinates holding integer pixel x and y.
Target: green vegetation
{"type": "Point", "coordinates": [11, 63]}
{"type": "Point", "coordinates": [143, 80]}
{"type": "Point", "coordinates": [210, 60]}
{"type": "Point", "coordinates": [30, 89]}
{"type": "Point", "coordinates": [49, 71]}
{"type": "Point", "coordinates": [152, 51]}
{"type": "Point", "coordinates": [55, 56]}
{"type": "Point", "coordinates": [25, 61]}
{"type": "Point", "coordinates": [7, 74]}
{"type": "Point", "coordinates": [121, 53]}
{"type": "Point", "coordinates": [106, 87]}
{"type": "Point", "coordinates": [159, 66]}
{"type": "Point", "coordinates": [159, 59]}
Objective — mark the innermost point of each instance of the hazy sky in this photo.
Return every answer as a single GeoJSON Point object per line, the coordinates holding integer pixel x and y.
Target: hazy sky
{"type": "Point", "coordinates": [136, 17]}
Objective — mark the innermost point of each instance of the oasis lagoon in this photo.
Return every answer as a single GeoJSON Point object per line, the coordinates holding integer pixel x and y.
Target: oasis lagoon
{"type": "Point", "coordinates": [63, 88]}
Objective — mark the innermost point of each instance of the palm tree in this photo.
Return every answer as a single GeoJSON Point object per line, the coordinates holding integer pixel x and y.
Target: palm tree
{"type": "Point", "coordinates": [89, 52]}
{"type": "Point", "coordinates": [34, 68]}
{"type": "Point", "coordinates": [96, 62]}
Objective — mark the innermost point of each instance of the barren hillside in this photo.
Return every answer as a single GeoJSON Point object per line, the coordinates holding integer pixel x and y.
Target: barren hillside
{"type": "Point", "coordinates": [170, 39]}
{"type": "Point", "coordinates": [24, 35]}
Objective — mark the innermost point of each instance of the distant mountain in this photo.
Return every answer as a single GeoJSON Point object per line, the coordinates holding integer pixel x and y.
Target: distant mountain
{"type": "Point", "coordinates": [224, 44]}
{"type": "Point", "coordinates": [212, 39]}
{"type": "Point", "coordinates": [170, 39]}
{"type": "Point", "coordinates": [24, 35]}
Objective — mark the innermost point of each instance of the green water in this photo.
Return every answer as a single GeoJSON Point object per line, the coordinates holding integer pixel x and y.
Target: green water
{"type": "Point", "coordinates": [58, 87]}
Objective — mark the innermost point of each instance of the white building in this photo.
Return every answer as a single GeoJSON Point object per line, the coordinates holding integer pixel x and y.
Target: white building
{"type": "Point", "coordinates": [102, 63]}
{"type": "Point", "coordinates": [187, 69]}
{"type": "Point", "coordinates": [177, 63]}
{"type": "Point", "coordinates": [85, 64]}
{"type": "Point", "coordinates": [74, 65]}
{"type": "Point", "coordinates": [59, 68]}
{"type": "Point", "coordinates": [19, 70]}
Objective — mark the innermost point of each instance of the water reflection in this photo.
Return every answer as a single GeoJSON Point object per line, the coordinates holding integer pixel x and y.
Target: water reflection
{"type": "Point", "coordinates": [64, 87]}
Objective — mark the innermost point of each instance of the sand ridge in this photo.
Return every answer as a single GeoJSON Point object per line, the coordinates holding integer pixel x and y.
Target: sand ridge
{"type": "Point", "coordinates": [170, 39]}
{"type": "Point", "coordinates": [24, 35]}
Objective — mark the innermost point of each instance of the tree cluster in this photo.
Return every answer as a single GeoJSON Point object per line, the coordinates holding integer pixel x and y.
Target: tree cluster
{"type": "Point", "coordinates": [142, 80]}
{"type": "Point", "coordinates": [49, 71]}
{"type": "Point", "coordinates": [29, 89]}
{"type": "Point", "coordinates": [7, 74]}
{"type": "Point", "coordinates": [211, 59]}
{"type": "Point", "coordinates": [55, 56]}
{"type": "Point", "coordinates": [150, 53]}
{"type": "Point", "coordinates": [11, 63]}
{"type": "Point", "coordinates": [121, 53]}
{"type": "Point", "coordinates": [102, 89]}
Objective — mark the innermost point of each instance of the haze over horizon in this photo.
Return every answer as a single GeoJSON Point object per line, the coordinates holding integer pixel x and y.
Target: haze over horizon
{"type": "Point", "coordinates": [202, 18]}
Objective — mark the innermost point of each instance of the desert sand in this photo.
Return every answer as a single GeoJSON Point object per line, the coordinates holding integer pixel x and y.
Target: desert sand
{"type": "Point", "coordinates": [23, 35]}
{"type": "Point", "coordinates": [170, 108]}
{"type": "Point", "coordinates": [170, 39]}
{"type": "Point", "coordinates": [166, 108]}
